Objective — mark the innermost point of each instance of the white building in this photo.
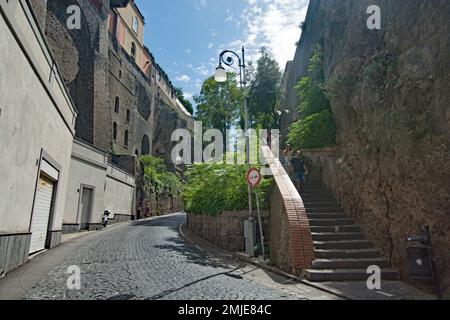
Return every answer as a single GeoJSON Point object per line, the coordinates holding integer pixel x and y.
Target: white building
{"type": "Point", "coordinates": [95, 184]}
{"type": "Point", "coordinates": [37, 121]}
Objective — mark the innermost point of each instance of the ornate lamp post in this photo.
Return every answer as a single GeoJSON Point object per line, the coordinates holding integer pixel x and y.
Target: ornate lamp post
{"type": "Point", "coordinates": [232, 60]}
{"type": "Point", "coordinates": [228, 58]}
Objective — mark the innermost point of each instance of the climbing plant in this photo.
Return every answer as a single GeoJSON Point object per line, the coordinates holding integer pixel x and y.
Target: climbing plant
{"type": "Point", "coordinates": [317, 127]}
{"type": "Point", "coordinates": [157, 178]}
{"type": "Point", "coordinates": [315, 131]}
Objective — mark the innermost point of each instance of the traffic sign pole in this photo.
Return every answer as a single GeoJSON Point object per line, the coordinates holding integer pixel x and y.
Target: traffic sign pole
{"type": "Point", "coordinates": [254, 179]}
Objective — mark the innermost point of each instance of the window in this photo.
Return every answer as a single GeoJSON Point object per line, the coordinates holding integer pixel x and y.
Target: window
{"type": "Point", "coordinates": [135, 24]}
{"type": "Point", "coordinates": [133, 50]}
{"type": "Point", "coordinates": [115, 131]}
{"type": "Point", "coordinates": [145, 146]}
{"type": "Point", "coordinates": [117, 105]}
{"type": "Point", "coordinates": [128, 116]}
{"type": "Point", "coordinates": [125, 142]}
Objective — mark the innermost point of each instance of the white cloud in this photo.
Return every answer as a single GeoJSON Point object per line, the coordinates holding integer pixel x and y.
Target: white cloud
{"type": "Point", "coordinates": [199, 4]}
{"type": "Point", "coordinates": [275, 25]}
{"type": "Point", "coordinates": [183, 78]}
{"type": "Point", "coordinates": [210, 45]}
{"type": "Point", "coordinates": [188, 95]}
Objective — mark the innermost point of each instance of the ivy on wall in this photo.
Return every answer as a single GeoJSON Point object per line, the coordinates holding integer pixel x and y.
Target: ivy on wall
{"type": "Point", "coordinates": [317, 128]}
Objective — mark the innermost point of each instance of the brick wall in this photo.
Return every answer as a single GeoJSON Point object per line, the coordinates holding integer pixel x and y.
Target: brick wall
{"type": "Point", "coordinates": [291, 241]}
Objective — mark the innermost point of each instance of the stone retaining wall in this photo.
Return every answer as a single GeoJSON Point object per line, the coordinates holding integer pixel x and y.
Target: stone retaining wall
{"type": "Point", "coordinates": [325, 164]}
{"type": "Point", "coordinates": [226, 230]}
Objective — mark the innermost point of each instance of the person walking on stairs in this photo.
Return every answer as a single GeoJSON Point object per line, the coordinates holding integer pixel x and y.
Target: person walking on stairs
{"type": "Point", "coordinates": [299, 171]}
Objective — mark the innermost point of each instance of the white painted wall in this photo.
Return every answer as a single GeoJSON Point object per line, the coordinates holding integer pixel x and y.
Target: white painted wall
{"type": "Point", "coordinates": [87, 167]}
{"type": "Point", "coordinates": [30, 120]}
{"type": "Point", "coordinates": [120, 192]}
{"type": "Point", "coordinates": [114, 189]}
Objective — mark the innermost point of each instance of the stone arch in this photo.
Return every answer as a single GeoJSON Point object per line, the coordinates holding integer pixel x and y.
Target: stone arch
{"type": "Point", "coordinates": [126, 138]}
{"type": "Point", "coordinates": [145, 146]}
{"type": "Point", "coordinates": [115, 131]}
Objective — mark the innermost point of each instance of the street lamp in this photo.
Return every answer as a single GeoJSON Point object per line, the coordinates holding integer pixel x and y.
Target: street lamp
{"type": "Point", "coordinates": [232, 60]}
{"type": "Point", "coordinates": [228, 58]}
{"type": "Point", "coordinates": [221, 74]}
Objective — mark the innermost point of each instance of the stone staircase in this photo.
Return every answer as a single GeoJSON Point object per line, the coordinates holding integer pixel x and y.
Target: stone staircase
{"type": "Point", "coordinates": [342, 251]}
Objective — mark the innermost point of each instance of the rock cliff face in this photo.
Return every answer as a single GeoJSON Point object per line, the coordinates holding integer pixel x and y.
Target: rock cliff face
{"type": "Point", "coordinates": [390, 95]}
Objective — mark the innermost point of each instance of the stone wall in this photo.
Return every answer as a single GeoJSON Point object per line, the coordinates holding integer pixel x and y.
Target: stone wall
{"type": "Point", "coordinates": [390, 95]}
{"type": "Point", "coordinates": [312, 33]}
{"type": "Point", "coordinates": [226, 230]}
{"type": "Point", "coordinates": [40, 11]}
{"type": "Point", "coordinates": [97, 70]}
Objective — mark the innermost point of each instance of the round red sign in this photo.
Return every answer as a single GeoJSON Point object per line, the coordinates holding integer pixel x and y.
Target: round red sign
{"type": "Point", "coordinates": [254, 177]}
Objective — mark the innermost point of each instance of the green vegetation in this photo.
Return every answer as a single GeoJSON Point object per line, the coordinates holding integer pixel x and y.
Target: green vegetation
{"type": "Point", "coordinates": [185, 102]}
{"type": "Point", "coordinates": [264, 90]}
{"type": "Point", "coordinates": [315, 131]}
{"type": "Point", "coordinates": [317, 128]}
{"type": "Point", "coordinates": [158, 179]}
{"type": "Point", "coordinates": [212, 189]}
{"type": "Point", "coordinates": [219, 104]}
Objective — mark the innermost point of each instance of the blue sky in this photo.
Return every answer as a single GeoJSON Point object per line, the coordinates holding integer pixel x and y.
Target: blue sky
{"type": "Point", "coordinates": [186, 36]}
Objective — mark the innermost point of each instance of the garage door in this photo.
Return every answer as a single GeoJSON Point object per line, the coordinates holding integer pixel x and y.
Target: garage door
{"type": "Point", "coordinates": [41, 214]}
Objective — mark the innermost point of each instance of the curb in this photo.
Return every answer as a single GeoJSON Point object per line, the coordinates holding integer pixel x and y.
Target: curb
{"type": "Point", "coordinates": [288, 275]}
{"type": "Point", "coordinates": [265, 267]}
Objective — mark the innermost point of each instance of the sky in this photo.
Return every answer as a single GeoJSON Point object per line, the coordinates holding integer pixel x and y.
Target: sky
{"type": "Point", "coordinates": [187, 36]}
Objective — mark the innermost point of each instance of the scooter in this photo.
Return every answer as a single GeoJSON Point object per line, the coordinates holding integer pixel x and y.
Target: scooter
{"type": "Point", "coordinates": [105, 218]}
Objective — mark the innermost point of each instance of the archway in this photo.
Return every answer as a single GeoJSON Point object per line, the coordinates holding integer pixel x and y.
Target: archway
{"type": "Point", "coordinates": [145, 146]}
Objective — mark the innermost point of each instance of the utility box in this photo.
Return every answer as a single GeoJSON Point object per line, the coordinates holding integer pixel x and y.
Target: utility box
{"type": "Point", "coordinates": [250, 236]}
{"type": "Point", "coordinates": [420, 264]}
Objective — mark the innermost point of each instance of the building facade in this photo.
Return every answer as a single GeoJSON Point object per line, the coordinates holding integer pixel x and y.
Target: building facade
{"type": "Point", "coordinates": [96, 184]}
{"type": "Point", "coordinates": [79, 106]}
{"type": "Point", "coordinates": [37, 124]}
{"type": "Point", "coordinates": [122, 94]}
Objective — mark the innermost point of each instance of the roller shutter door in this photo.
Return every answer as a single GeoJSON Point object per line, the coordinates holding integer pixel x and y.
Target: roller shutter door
{"type": "Point", "coordinates": [41, 214]}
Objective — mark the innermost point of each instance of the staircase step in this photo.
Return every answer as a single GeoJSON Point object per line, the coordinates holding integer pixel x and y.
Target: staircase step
{"type": "Point", "coordinates": [336, 229]}
{"type": "Point", "coordinates": [345, 244]}
{"type": "Point", "coordinates": [330, 222]}
{"type": "Point", "coordinates": [320, 204]}
{"type": "Point", "coordinates": [326, 216]}
{"type": "Point", "coordinates": [317, 193]}
{"type": "Point", "coordinates": [337, 236]}
{"type": "Point", "coordinates": [316, 198]}
{"type": "Point", "coordinates": [346, 254]}
{"type": "Point", "coordinates": [363, 263]}
{"type": "Point", "coordinates": [326, 210]}
{"type": "Point", "coordinates": [347, 275]}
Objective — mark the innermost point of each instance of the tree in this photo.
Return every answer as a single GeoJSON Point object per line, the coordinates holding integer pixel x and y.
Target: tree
{"type": "Point", "coordinates": [317, 128]}
{"type": "Point", "coordinates": [185, 102]}
{"type": "Point", "coordinates": [219, 104]}
{"type": "Point", "coordinates": [311, 90]}
{"type": "Point", "coordinates": [264, 89]}
{"type": "Point", "coordinates": [315, 131]}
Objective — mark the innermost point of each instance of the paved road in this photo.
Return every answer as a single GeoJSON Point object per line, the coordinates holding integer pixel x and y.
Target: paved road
{"type": "Point", "coordinates": [150, 260]}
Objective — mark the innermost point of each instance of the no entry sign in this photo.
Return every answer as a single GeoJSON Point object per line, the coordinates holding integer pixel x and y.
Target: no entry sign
{"type": "Point", "coordinates": [254, 177]}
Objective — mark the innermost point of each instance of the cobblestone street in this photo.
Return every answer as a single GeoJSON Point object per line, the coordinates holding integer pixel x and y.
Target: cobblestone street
{"type": "Point", "coordinates": [150, 260]}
